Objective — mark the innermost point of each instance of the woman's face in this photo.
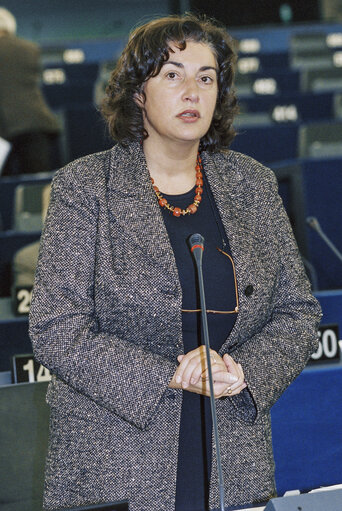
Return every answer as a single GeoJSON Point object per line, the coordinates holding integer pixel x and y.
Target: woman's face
{"type": "Point", "coordinates": [181, 99]}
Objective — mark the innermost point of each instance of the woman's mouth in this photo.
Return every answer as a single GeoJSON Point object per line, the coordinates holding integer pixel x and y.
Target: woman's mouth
{"type": "Point", "coordinates": [189, 115]}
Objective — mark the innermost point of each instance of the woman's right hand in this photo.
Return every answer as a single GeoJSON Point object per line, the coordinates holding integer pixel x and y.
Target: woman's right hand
{"type": "Point", "coordinates": [192, 373]}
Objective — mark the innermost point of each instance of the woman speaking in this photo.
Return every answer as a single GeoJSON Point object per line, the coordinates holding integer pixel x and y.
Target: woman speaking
{"type": "Point", "coordinates": [116, 316]}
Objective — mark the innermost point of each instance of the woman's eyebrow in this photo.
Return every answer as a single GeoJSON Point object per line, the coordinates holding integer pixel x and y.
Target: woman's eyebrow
{"type": "Point", "coordinates": [179, 64]}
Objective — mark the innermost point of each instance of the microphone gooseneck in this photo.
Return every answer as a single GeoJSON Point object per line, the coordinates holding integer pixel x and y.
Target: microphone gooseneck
{"type": "Point", "coordinates": [314, 224]}
{"type": "Point", "coordinates": [196, 242]}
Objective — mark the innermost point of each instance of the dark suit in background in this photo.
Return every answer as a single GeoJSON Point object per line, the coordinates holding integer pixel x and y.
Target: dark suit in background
{"type": "Point", "coordinates": [25, 119]}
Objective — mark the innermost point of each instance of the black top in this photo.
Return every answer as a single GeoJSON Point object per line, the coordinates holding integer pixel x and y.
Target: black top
{"type": "Point", "coordinates": [194, 458]}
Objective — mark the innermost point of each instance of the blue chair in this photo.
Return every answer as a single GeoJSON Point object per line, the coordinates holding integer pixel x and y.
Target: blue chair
{"type": "Point", "coordinates": [68, 94]}
{"type": "Point", "coordinates": [312, 187]}
{"type": "Point", "coordinates": [8, 186]}
{"type": "Point", "coordinates": [14, 340]}
{"type": "Point", "coordinates": [320, 139]}
{"type": "Point", "coordinates": [24, 439]}
{"type": "Point", "coordinates": [268, 143]}
{"type": "Point", "coordinates": [86, 132]}
{"type": "Point", "coordinates": [291, 107]}
{"type": "Point", "coordinates": [273, 61]}
{"type": "Point", "coordinates": [10, 243]}
{"type": "Point", "coordinates": [322, 181]}
{"type": "Point", "coordinates": [270, 82]}
{"type": "Point", "coordinates": [263, 62]}
{"type": "Point", "coordinates": [76, 73]}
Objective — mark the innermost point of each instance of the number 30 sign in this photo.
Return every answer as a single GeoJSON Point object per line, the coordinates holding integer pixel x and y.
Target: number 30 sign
{"type": "Point", "coordinates": [328, 349]}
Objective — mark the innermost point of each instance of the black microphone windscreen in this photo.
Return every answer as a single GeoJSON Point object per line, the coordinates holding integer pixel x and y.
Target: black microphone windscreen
{"type": "Point", "coordinates": [196, 239]}
{"type": "Point", "coordinates": [313, 222]}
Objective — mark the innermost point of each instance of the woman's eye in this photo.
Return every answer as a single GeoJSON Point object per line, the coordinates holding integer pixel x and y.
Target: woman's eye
{"type": "Point", "coordinates": [171, 74]}
{"type": "Point", "coordinates": [206, 79]}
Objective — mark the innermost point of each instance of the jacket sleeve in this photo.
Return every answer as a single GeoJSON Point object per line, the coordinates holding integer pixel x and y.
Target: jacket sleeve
{"type": "Point", "coordinates": [274, 356]}
{"type": "Point", "coordinates": [116, 374]}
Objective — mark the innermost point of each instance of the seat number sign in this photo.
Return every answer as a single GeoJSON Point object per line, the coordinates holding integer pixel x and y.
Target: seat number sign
{"type": "Point", "coordinates": [25, 369]}
{"type": "Point", "coordinates": [23, 297]}
{"type": "Point", "coordinates": [329, 346]}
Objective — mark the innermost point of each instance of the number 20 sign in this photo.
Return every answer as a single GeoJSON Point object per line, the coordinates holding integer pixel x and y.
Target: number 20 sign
{"type": "Point", "coordinates": [22, 301]}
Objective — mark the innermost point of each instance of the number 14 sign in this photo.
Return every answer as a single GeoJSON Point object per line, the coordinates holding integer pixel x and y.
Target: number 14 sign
{"type": "Point", "coordinates": [25, 369]}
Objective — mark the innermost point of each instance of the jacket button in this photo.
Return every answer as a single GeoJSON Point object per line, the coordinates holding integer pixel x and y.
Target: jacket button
{"type": "Point", "coordinates": [249, 290]}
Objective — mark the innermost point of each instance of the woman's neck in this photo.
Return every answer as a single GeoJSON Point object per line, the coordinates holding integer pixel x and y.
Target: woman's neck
{"type": "Point", "coordinates": [172, 168]}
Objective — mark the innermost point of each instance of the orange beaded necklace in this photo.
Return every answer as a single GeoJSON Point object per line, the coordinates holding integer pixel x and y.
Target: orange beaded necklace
{"type": "Point", "coordinates": [192, 208]}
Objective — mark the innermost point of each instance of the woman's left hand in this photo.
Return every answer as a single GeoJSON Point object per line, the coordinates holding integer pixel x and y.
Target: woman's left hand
{"type": "Point", "coordinates": [192, 371]}
{"type": "Point", "coordinates": [235, 369]}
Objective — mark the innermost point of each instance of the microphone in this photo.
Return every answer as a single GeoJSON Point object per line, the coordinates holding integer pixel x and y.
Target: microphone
{"type": "Point", "coordinates": [314, 224]}
{"type": "Point", "coordinates": [196, 242]}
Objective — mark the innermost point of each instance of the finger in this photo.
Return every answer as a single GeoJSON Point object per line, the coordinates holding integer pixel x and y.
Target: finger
{"type": "Point", "coordinates": [234, 392]}
{"type": "Point", "coordinates": [218, 388]}
{"type": "Point", "coordinates": [188, 366]}
{"type": "Point", "coordinates": [216, 364]}
{"type": "Point", "coordinates": [183, 362]}
{"type": "Point", "coordinates": [241, 378]}
{"type": "Point", "coordinates": [201, 365]}
{"type": "Point", "coordinates": [221, 382]}
{"type": "Point", "coordinates": [231, 365]}
{"type": "Point", "coordinates": [217, 367]}
{"type": "Point", "coordinates": [235, 369]}
{"type": "Point", "coordinates": [222, 389]}
{"type": "Point", "coordinates": [202, 387]}
{"type": "Point", "coordinates": [239, 389]}
{"type": "Point", "coordinates": [241, 371]}
{"type": "Point", "coordinates": [238, 384]}
{"type": "Point", "coordinates": [177, 376]}
{"type": "Point", "coordinates": [223, 378]}
{"type": "Point", "coordinates": [193, 364]}
{"type": "Point", "coordinates": [220, 373]}
{"type": "Point", "coordinates": [194, 369]}
{"type": "Point", "coordinates": [201, 370]}
{"type": "Point", "coordinates": [228, 392]}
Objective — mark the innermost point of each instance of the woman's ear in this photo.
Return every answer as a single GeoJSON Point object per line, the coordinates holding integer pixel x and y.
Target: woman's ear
{"type": "Point", "coordinates": [139, 99]}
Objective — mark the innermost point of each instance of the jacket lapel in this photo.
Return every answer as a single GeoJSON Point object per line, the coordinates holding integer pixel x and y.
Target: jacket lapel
{"type": "Point", "coordinates": [228, 187]}
{"type": "Point", "coordinates": [133, 206]}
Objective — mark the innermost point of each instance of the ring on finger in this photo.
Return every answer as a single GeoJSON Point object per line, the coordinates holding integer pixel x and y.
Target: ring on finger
{"type": "Point", "coordinates": [228, 391]}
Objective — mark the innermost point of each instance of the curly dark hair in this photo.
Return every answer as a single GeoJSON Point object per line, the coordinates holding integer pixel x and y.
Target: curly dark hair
{"type": "Point", "coordinates": [147, 50]}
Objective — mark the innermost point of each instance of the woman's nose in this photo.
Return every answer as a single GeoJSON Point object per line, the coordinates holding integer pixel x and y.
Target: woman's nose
{"type": "Point", "coordinates": [191, 91]}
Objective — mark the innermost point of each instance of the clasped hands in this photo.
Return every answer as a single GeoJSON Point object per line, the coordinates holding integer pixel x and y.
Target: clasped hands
{"type": "Point", "coordinates": [192, 374]}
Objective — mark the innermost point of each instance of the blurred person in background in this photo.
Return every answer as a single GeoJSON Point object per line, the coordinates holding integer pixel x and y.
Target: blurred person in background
{"type": "Point", "coordinates": [25, 119]}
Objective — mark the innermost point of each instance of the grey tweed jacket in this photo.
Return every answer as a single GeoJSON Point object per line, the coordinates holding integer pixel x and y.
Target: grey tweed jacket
{"type": "Point", "coordinates": [106, 320]}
